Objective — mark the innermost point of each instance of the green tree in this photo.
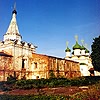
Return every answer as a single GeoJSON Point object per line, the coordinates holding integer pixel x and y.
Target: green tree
{"type": "Point", "coordinates": [95, 55]}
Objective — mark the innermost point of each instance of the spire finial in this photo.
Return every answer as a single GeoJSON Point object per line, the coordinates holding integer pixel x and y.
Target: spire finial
{"type": "Point", "coordinates": [82, 41]}
{"type": "Point", "coordinates": [76, 38]}
{"type": "Point", "coordinates": [15, 6]}
{"type": "Point", "coordinates": [67, 43]}
{"type": "Point", "coordinates": [14, 11]}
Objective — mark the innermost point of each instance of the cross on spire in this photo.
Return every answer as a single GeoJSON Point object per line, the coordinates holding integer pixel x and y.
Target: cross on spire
{"type": "Point", "coordinates": [15, 6]}
{"type": "Point", "coordinates": [76, 37]}
{"type": "Point", "coordinates": [82, 41]}
{"type": "Point", "coordinates": [14, 11]}
{"type": "Point", "coordinates": [67, 43]}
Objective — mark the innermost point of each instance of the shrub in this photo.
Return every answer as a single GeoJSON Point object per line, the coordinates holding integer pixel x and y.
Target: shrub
{"type": "Point", "coordinates": [30, 97]}
{"type": "Point", "coordinates": [55, 82]}
{"type": "Point", "coordinates": [11, 79]}
{"type": "Point", "coordinates": [51, 74]}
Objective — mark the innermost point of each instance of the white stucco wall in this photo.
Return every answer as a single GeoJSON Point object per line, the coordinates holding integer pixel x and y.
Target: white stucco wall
{"type": "Point", "coordinates": [77, 52]}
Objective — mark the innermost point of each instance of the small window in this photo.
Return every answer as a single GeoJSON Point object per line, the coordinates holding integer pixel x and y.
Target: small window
{"type": "Point", "coordinates": [23, 61]}
{"type": "Point", "coordinates": [35, 65]}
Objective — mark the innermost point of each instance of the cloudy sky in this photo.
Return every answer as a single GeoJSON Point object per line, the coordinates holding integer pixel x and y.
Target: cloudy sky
{"type": "Point", "coordinates": [50, 23]}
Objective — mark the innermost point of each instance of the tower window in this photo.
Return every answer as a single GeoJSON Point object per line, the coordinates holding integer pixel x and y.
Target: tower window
{"type": "Point", "coordinates": [35, 65]}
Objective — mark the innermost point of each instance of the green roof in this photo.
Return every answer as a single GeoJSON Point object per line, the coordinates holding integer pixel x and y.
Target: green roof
{"type": "Point", "coordinates": [76, 46]}
{"type": "Point", "coordinates": [67, 50]}
{"type": "Point", "coordinates": [82, 47]}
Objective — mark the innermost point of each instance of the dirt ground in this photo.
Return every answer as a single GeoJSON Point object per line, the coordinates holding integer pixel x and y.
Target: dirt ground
{"type": "Point", "coordinates": [50, 91]}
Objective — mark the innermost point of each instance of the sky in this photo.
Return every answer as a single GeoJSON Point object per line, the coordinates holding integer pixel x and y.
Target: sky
{"type": "Point", "coordinates": [48, 24]}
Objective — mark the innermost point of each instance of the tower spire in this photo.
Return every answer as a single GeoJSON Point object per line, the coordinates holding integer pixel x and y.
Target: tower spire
{"type": "Point", "coordinates": [13, 31]}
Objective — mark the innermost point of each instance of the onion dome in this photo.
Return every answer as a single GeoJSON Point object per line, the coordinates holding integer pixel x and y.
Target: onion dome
{"type": "Point", "coordinates": [67, 50]}
{"type": "Point", "coordinates": [86, 51]}
{"type": "Point", "coordinates": [76, 46]}
{"type": "Point", "coordinates": [82, 47]}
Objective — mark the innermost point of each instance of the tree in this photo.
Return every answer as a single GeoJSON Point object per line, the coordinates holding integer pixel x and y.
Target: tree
{"type": "Point", "coordinates": [95, 55]}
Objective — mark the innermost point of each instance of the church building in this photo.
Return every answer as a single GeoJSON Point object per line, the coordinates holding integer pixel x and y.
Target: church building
{"type": "Point", "coordinates": [82, 55]}
{"type": "Point", "coordinates": [19, 58]}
